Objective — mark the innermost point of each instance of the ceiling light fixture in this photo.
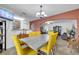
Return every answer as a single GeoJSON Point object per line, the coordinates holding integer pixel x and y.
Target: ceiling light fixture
{"type": "Point", "coordinates": [41, 13]}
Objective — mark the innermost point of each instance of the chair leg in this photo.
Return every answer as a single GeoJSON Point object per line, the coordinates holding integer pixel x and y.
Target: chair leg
{"type": "Point", "coordinates": [41, 52]}
{"type": "Point", "coordinates": [51, 53]}
{"type": "Point", "coordinates": [53, 50]}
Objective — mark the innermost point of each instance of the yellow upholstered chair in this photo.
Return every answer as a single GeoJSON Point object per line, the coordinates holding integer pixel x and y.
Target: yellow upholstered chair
{"type": "Point", "coordinates": [51, 42]}
{"type": "Point", "coordinates": [20, 50]}
{"type": "Point", "coordinates": [34, 34]}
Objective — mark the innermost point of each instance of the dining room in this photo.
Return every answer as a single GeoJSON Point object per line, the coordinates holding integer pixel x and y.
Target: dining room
{"type": "Point", "coordinates": [39, 29]}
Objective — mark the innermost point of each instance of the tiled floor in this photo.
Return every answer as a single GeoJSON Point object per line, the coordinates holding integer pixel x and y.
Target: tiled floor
{"type": "Point", "coordinates": [10, 51]}
{"type": "Point", "coordinates": [61, 49]}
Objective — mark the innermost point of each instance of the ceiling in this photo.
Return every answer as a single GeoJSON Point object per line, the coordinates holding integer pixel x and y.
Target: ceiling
{"type": "Point", "coordinates": [29, 10]}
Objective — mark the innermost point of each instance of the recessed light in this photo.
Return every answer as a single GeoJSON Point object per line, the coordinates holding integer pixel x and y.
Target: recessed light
{"type": "Point", "coordinates": [18, 18]}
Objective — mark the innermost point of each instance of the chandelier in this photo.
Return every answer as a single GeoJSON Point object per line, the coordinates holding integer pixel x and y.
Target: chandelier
{"type": "Point", "coordinates": [41, 13]}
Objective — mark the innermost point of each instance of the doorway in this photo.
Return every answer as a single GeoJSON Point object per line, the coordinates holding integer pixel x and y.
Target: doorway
{"type": "Point", "coordinates": [2, 35]}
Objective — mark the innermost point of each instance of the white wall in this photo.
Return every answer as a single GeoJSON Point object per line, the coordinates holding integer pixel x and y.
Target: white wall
{"type": "Point", "coordinates": [9, 34]}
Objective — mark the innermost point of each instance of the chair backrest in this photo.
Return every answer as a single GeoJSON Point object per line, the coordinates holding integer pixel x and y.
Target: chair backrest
{"type": "Point", "coordinates": [51, 32]}
{"type": "Point", "coordinates": [17, 45]}
{"type": "Point", "coordinates": [34, 33]}
{"type": "Point", "coordinates": [51, 41]}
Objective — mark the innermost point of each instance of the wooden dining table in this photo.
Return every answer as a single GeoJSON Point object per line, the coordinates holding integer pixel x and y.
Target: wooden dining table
{"type": "Point", "coordinates": [36, 42]}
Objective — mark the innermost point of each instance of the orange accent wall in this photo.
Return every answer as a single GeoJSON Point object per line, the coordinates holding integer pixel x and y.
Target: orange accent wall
{"type": "Point", "coordinates": [73, 14]}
